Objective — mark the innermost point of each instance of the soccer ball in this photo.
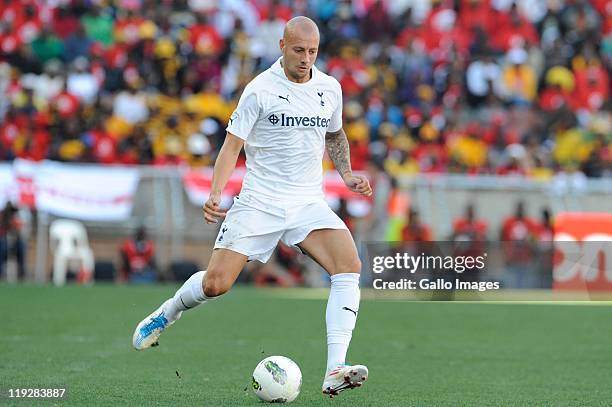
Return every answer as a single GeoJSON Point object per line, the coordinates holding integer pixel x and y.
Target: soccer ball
{"type": "Point", "coordinates": [277, 379]}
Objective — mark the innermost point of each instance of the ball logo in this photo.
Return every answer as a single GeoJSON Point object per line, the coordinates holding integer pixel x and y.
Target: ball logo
{"type": "Point", "coordinates": [273, 119]}
{"type": "Point", "coordinates": [256, 385]}
{"type": "Point", "coordinates": [278, 374]}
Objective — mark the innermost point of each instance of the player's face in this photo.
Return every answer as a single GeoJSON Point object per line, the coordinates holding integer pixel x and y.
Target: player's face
{"type": "Point", "coordinates": [299, 55]}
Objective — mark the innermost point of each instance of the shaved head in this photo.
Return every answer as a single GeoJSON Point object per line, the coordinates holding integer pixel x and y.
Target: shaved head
{"type": "Point", "coordinates": [300, 26]}
{"type": "Point", "coordinates": [299, 45]}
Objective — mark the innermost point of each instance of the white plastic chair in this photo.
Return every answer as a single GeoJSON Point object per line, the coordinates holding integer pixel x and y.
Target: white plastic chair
{"type": "Point", "coordinates": [70, 246]}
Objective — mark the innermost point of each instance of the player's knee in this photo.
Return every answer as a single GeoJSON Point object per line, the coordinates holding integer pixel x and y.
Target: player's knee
{"type": "Point", "coordinates": [215, 285]}
{"type": "Point", "coordinates": [354, 266]}
{"type": "Point", "coordinates": [349, 266]}
{"type": "Point", "coordinates": [215, 288]}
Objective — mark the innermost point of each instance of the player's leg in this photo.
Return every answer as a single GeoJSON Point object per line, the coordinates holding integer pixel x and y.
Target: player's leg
{"type": "Point", "coordinates": [223, 269]}
{"type": "Point", "coordinates": [335, 251]}
{"type": "Point", "coordinates": [247, 233]}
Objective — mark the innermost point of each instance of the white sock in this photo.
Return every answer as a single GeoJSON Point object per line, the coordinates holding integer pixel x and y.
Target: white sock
{"type": "Point", "coordinates": [191, 294]}
{"type": "Point", "coordinates": [340, 316]}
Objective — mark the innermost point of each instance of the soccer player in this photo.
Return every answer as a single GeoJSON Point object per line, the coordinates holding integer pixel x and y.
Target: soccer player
{"type": "Point", "coordinates": [286, 117]}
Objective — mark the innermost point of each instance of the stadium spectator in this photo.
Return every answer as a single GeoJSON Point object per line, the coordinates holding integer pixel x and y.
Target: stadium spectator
{"type": "Point", "coordinates": [65, 103]}
{"type": "Point", "coordinates": [130, 105]}
{"type": "Point", "coordinates": [11, 240]}
{"type": "Point", "coordinates": [65, 22]}
{"type": "Point", "coordinates": [482, 78]}
{"type": "Point", "coordinates": [138, 258]}
{"type": "Point", "coordinates": [545, 237]}
{"type": "Point", "coordinates": [76, 44]}
{"type": "Point", "coordinates": [101, 145]}
{"type": "Point", "coordinates": [377, 22]}
{"type": "Point", "coordinates": [47, 46]}
{"type": "Point", "coordinates": [33, 143]}
{"type": "Point", "coordinates": [81, 82]}
{"type": "Point", "coordinates": [469, 237]}
{"type": "Point", "coordinates": [518, 78]}
{"type": "Point", "coordinates": [98, 24]}
{"type": "Point", "coordinates": [517, 236]}
{"type": "Point", "coordinates": [469, 228]}
{"type": "Point", "coordinates": [48, 84]}
{"type": "Point", "coordinates": [518, 227]}
{"type": "Point", "coordinates": [415, 230]}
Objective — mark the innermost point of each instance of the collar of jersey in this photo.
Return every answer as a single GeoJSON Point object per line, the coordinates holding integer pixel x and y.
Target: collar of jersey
{"type": "Point", "coordinates": [278, 69]}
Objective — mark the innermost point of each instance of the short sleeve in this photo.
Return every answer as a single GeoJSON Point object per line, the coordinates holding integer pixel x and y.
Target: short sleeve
{"type": "Point", "coordinates": [243, 119]}
{"type": "Point", "coordinates": [335, 122]}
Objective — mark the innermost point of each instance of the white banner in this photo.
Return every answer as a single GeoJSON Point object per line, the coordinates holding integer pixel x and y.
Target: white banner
{"type": "Point", "coordinates": [85, 192]}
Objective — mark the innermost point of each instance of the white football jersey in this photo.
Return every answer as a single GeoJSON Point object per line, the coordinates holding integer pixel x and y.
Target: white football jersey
{"type": "Point", "coordinates": [283, 124]}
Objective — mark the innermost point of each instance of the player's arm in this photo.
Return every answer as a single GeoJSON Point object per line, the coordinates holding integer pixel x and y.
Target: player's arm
{"type": "Point", "coordinates": [337, 147]}
{"type": "Point", "coordinates": [224, 166]}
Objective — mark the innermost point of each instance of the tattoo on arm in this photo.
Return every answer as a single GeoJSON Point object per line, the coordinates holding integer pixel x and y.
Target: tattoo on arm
{"type": "Point", "coordinates": [338, 149]}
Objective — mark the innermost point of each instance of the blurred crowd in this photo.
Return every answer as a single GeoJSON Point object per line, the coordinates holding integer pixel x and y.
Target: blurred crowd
{"type": "Point", "coordinates": [511, 87]}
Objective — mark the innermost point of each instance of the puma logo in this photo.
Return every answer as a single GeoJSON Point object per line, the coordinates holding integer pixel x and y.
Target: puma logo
{"type": "Point", "coordinates": [286, 98]}
{"type": "Point", "coordinates": [348, 309]}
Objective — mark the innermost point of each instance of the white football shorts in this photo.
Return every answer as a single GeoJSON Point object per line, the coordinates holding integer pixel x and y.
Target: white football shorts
{"type": "Point", "coordinates": [253, 226]}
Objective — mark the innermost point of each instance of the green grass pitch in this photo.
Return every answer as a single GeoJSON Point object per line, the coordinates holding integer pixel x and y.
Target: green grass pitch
{"type": "Point", "coordinates": [419, 353]}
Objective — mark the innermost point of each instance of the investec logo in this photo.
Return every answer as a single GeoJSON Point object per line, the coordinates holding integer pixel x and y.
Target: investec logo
{"type": "Point", "coordinates": [298, 121]}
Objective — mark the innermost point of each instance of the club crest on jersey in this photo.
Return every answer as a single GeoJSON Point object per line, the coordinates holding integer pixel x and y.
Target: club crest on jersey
{"type": "Point", "coordinates": [321, 96]}
{"type": "Point", "coordinates": [298, 121]}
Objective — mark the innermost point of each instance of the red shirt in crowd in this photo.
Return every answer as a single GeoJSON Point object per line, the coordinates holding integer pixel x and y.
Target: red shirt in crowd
{"type": "Point", "coordinates": [116, 55]}
{"type": "Point", "coordinates": [515, 229]}
{"type": "Point", "coordinates": [416, 233]}
{"type": "Point", "coordinates": [517, 235]}
{"type": "Point", "coordinates": [65, 25]}
{"type": "Point", "coordinates": [66, 103]}
{"type": "Point", "coordinates": [511, 34]}
{"type": "Point", "coordinates": [37, 146]}
{"type": "Point", "coordinates": [204, 37]}
{"type": "Point", "coordinates": [592, 88]}
{"type": "Point", "coordinates": [360, 154]}
{"type": "Point", "coordinates": [552, 99]}
{"type": "Point", "coordinates": [477, 229]}
{"type": "Point", "coordinates": [128, 29]}
{"type": "Point", "coordinates": [139, 255]}
{"type": "Point", "coordinates": [104, 147]}
{"type": "Point", "coordinates": [350, 72]}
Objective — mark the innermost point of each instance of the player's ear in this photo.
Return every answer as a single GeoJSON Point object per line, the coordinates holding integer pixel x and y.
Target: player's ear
{"type": "Point", "coordinates": [281, 44]}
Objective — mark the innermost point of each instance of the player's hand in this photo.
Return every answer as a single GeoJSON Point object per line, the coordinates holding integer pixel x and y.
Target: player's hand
{"type": "Point", "coordinates": [212, 210]}
{"type": "Point", "coordinates": [359, 184]}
